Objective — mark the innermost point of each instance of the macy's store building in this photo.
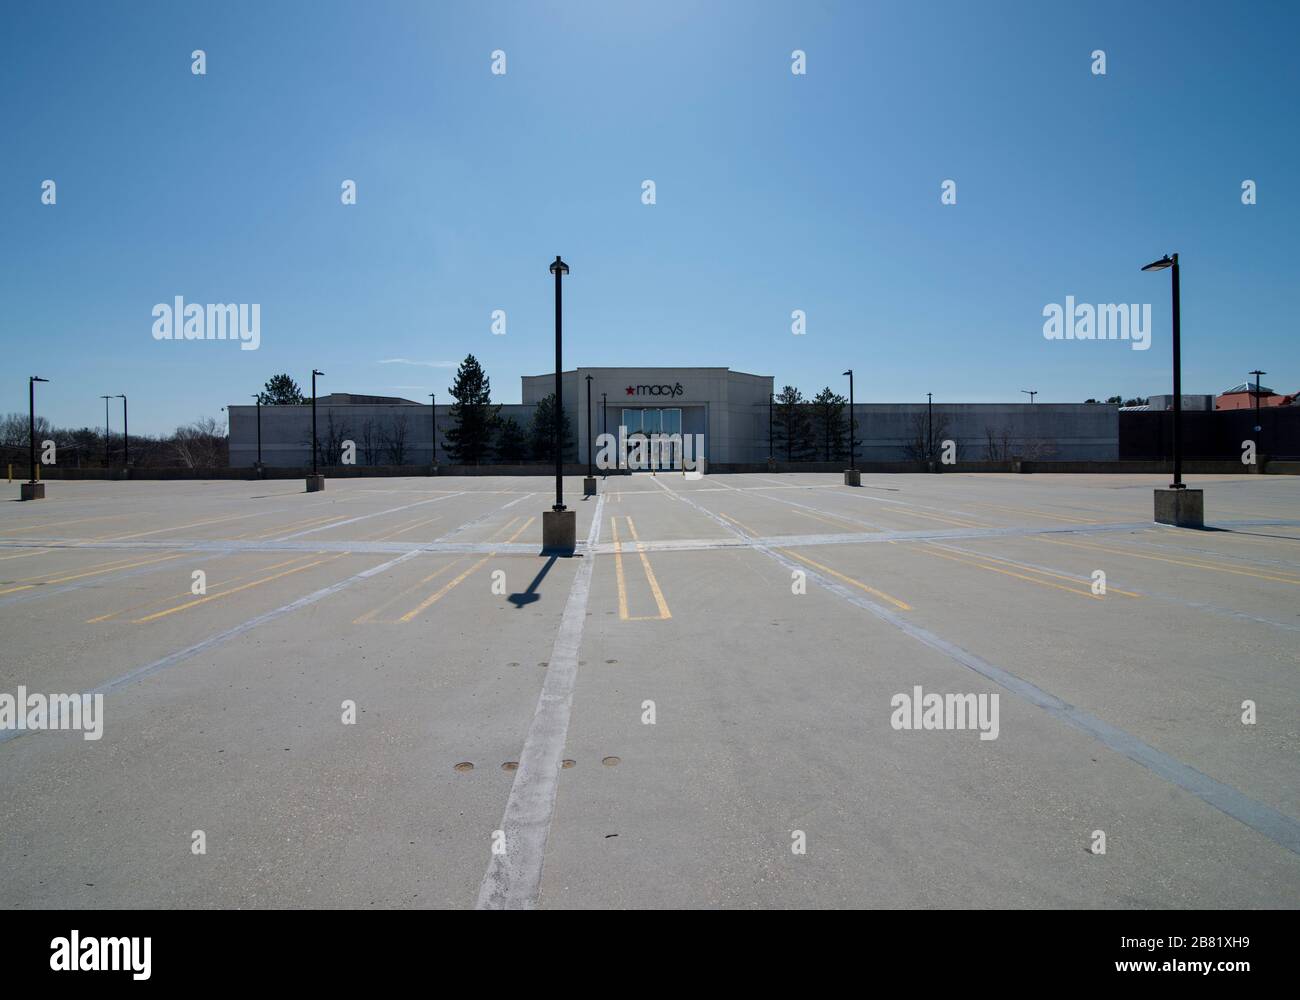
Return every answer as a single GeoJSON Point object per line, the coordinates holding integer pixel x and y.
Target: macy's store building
{"type": "Point", "coordinates": [728, 409]}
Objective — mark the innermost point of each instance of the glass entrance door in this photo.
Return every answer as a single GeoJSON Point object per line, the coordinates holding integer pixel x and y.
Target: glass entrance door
{"type": "Point", "coordinates": [661, 428]}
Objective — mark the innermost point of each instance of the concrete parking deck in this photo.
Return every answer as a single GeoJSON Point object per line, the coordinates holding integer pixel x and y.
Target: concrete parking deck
{"type": "Point", "coordinates": [765, 623]}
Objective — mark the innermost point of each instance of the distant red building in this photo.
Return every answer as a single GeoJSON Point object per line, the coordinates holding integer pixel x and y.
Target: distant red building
{"type": "Point", "coordinates": [1242, 397]}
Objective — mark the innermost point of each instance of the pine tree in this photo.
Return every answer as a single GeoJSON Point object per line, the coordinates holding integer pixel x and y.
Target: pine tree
{"type": "Point", "coordinates": [473, 417]}
{"type": "Point", "coordinates": [543, 432]}
{"type": "Point", "coordinates": [512, 441]}
{"type": "Point", "coordinates": [793, 426]}
{"type": "Point", "coordinates": [832, 424]}
{"type": "Point", "coordinates": [281, 390]}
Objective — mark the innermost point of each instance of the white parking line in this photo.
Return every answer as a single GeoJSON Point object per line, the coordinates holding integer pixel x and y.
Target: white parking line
{"type": "Point", "coordinates": [513, 880]}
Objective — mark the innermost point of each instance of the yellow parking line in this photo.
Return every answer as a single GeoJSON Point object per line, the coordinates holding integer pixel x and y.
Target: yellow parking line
{"type": "Point", "coordinates": [1042, 572]}
{"type": "Point", "coordinates": [618, 570]}
{"type": "Point", "coordinates": [1177, 562]}
{"type": "Point", "coordinates": [369, 616]}
{"type": "Point", "coordinates": [743, 527]}
{"type": "Point", "coordinates": [24, 555]}
{"type": "Point", "coordinates": [901, 605]}
{"type": "Point", "coordinates": [452, 584]}
{"type": "Point", "coordinates": [830, 519]}
{"type": "Point", "coordinates": [258, 533]}
{"type": "Point", "coordinates": [184, 593]}
{"type": "Point", "coordinates": [664, 613]}
{"type": "Point", "coordinates": [936, 517]}
{"type": "Point", "coordinates": [1007, 572]}
{"type": "Point", "coordinates": [78, 520]}
{"type": "Point", "coordinates": [234, 590]}
{"type": "Point", "coordinates": [179, 527]}
{"type": "Point", "coordinates": [94, 571]}
{"type": "Point", "coordinates": [1246, 537]}
{"type": "Point", "coordinates": [417, 523]}
{"type": "Point", "coordinates": [1033, 513]}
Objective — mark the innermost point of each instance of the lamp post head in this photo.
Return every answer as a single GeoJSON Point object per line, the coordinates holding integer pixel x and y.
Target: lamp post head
{"type": "Point", "coordinates": [849, 372]}
{"type": "Point", "coordinates": [558, 266]}
{"type": "Point", "coordinates": [315, 372]}
{"type": "Point", "coordinates": [1161, 264]}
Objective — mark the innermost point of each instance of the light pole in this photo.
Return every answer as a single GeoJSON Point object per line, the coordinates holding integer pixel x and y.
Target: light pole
{"type": "Point", "coordinates": [126, 437]}
{"type": "Point", "coordinates": [433, 421]}
{"type": "Point", "coordinates": [1258, 427]}
{"type": "Point", "coordinates": [589, 484]}
{"type": "Point", "coordinates": [559, 269]}
{"type": "Point", "coordinates": [559, 525]}
{"type": "Point", "coordinates": [930, 427]}
{"type": "Point", "coordinates": [851, 476]}
{"type": "Point", "coordinates": [1168, 261]}
{"type": "Point", "coordinates": [257, 396]}
{"type": "Point", "coordinates": [317, 481]}
{"type": "Point", "coordinates": [106, 399]}
{"type": "Point", "coordinates": [1177, 505]}
{"type": "Point", "coordinates": [1031, 393]}
{"type": "Point", "coordinates": [32, 490]}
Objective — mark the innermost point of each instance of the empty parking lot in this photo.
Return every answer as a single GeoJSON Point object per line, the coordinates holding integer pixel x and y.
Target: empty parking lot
{"type": "Point", "coordinates": [698, 709]}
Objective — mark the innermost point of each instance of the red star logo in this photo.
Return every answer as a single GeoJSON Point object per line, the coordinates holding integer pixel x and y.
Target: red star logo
{"type": "Point", "coordinates": [631, 391]}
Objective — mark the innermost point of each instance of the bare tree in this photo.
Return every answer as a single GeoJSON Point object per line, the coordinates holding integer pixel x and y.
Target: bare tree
{"type": "Point", "coordinates": [331, 445]}
{"type": "Point", "coordinates": [997, 444]}
{"type": "Point", "coordinates": [926, 436]}
{"type": "Point", "coordinates": [371, 440]}
{"type": "Point", "coordinates": [395, 440]}
{"type": "Point", "coordinates": [202, 444]}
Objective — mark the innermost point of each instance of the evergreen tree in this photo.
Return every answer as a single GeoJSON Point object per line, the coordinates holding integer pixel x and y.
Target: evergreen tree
{"type": "Point", "coordinates": [832, 425]}
{"type": "Point", "coordinates": [512, 441]}
{"type": "Point", "coordinates": [281, 390]}
{"type": "Point", "coordinates": [793, 427]}
{"type": "Point", "coordinates": [543, 432]}
{"type": "Point", "coordinates": [473, 417]}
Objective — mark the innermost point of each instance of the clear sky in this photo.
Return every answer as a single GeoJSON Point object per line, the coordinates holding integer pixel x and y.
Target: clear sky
{"type": "Point", "coordinates": [775, 192]}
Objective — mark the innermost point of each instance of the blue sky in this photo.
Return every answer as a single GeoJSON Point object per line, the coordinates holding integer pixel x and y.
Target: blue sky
{"type": "Point", "coordinates": [775, 192]}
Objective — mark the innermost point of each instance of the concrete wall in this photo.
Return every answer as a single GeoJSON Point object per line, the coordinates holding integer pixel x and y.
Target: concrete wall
{"type": "Point", "coordinates": [1043, 431]}
{"type": "Point", "coordinates": [286, 431]}
{"type": "Point", "coordinates": [730, 407]}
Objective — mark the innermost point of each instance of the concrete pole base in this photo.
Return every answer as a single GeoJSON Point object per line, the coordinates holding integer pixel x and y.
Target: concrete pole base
{"type": "Point", "coordinates": [852, 477]}
{"type": "Point", "coordinates": [1181, 508]}
{"type": "Point", "coordinates": [589, 486]}
{"type": "Point", "coordinates": [33, 491]}
{"type": "Point", "coordinates": [315, 484]}
{"type": "Point", "coordinates": [559, 531]}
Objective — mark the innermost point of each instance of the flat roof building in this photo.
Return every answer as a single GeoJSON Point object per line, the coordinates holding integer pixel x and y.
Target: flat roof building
{"type": "Point", "coordinates": [727, 409]}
